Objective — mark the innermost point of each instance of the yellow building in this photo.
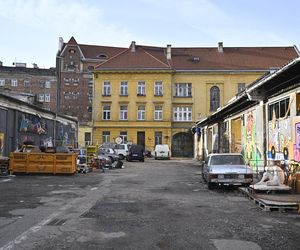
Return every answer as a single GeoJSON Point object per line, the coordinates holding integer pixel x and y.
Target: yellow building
{"type": "Point", "coordinates": [153, 95]}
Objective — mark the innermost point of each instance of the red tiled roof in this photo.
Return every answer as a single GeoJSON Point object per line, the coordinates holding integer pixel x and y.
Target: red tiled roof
{"type": "Point", "coordinates": [232, 58]}
{"type": "Point", "coordinates": [140, 59]}
{"type": "Point", "coordinates": [95, 52]}
{"type": "Point", "coordinates": [72, 41]}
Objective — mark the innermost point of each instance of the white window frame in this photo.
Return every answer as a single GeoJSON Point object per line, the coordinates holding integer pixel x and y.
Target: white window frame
{"type": "Point", "coordinates": [2, 82]}
{"type": "Point", "coordinates": [123, 112]}
{"type": "Point", "coordinates": [158, 88]}
{"type": "Point", "coordinates": [141, 113]}
{"type": "Point", "coordinates": [158, 112]}
{"type": "Point", "coordinates": [141, 88]}
{"type": "Point", "coordinates": [124, 88]}
{"type": "Point", "coordinates": [47, 84]}
{"type": "Point", "coordinates": [41, 98]}
{"type": "Point", "coordinates": [14, 82]}
{"type": "Point", "coordinates": [183, 90]}
{"type": "Point", "coordinates": [26, 83]}
{"type": "Point", "coordinates": [182, 114]}
{"type": "Point", "coordinates": [124, 136]}
{"type": "Point", "coordinates": [106, 89]}
{"type": "Point", "coordinates": [106, 112]}
{"type": "Point", "coordinates": [47, 97]}
{"type": "Point", "coordinates": [106, 137]}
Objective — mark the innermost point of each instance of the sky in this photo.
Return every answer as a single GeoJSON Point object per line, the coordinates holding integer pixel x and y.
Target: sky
{"type": "Point", "coordinates": [30, 29]}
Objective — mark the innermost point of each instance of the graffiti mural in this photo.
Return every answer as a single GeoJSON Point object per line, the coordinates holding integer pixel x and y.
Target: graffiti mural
{"type": "Point", "coordinates": [279, 139]}
{"type": "Point", "coordinates": [66, 134]}
{"type": "Point", "coordinates": [1, 143]}
{"type": "Point", "coordinates": [252, 149]}
{"type": "Point", "coordinates": [33, 124]}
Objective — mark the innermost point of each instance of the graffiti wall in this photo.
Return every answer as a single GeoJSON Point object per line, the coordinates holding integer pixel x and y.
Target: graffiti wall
{"type": "Point", "coordinates": [65, 134]}
{"type": "Point", "coordinates": [295, 145]}
{"type": "Point", "coordinates": [279, 139]}
{"type": "Point", "coordinates": [253, 138]}
{"type": "Point", "coordinates": [34, 129]}
{"type": "Point", "coordinates": [1, 143]}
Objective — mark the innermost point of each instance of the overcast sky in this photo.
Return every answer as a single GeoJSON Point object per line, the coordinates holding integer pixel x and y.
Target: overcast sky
{"type": "Point", "coordinates": [30, 29]}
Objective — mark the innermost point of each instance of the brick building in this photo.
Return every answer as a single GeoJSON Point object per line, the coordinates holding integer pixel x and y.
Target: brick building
{"type": "Point", "coordinates": [41, 83]}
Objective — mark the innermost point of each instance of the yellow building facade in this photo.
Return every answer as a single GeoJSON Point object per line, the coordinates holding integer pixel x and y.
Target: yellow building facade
{"type": "Point", "coordinates": [150, 95]}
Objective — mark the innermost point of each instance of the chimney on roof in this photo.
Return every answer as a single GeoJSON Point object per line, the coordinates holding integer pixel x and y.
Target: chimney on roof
{"type": "Point", "coordinates": [132, 46]}
{"type": "Point", "coordinates": [60, 43]}
{"type": "Point", "coordinates": [220, 47]}
{"type": "Point", "coordinates": [35, 66]}
{"type": "Point", "coordinates": [169, 54]}
{"type": "Point", "coordinates": [1, 63]}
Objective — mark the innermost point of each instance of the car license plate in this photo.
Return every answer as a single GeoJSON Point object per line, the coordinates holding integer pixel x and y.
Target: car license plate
{"type": "Point", "coordinates": [230, 176]}
{"type": "Point", "coordinates": [134, 155]}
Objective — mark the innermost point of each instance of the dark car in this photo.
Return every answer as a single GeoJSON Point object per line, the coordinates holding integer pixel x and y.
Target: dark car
{"type": "Point", "coordinates": [136, 152]}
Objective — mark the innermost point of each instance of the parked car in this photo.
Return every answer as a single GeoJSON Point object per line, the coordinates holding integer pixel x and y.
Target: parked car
{"type": "Point", "coordinates": [121, 150]}
{"type": "Point", "coordinates": [109, 152]}
{"type": "Point", "coordinates": [104, 161]}
{"type": "Point", "coordinates": [162, 151]}
{"type": "Point", "coordinates": [226, 169]}
{"type": "Point", "coordinates": [136, 152]}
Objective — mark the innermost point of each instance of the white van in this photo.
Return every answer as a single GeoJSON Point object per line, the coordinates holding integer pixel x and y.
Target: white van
{"type": "Point", "coordinates": [121, 150]}
{"type": "Point", "coordinates": [162, 151]}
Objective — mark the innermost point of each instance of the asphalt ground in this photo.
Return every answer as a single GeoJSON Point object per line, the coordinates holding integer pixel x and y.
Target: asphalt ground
{"type": "Point", "coordinates": [151, 205]}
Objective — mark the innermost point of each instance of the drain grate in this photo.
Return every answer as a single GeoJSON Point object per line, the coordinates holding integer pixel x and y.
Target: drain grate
{"type": "Point", "coordinates": [56, 222]}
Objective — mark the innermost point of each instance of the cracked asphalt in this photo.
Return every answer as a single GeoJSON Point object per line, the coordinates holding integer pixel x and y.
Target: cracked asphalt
{"type": "Point", "coordinates": [150, 205]}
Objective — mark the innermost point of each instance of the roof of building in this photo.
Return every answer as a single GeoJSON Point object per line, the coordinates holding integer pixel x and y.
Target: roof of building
{"type": "Point", "coordinates": [31, 71]}
{"type": "Point", "coordinates": [94, 51]}
{"type": "Point", "coordinates": [204, 59]}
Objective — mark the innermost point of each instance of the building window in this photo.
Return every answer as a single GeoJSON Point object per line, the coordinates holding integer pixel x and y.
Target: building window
{"type": "Point", "coordinates": [14, 82]}
{"type": "Point", "coordinates": [105, 136]}
{"type": "Point", "coordinates": [106, 112]}
{"type": "Point", "coordinates": [214, 98]}
{"type": "Point", "coordinates": [47, 97]}
{"type": "Point", "coordinates": [124, 88]}
{"type": "Point", "coordinates": [2, 82]}
{"type": "Point", "coordinates": [123, 112]}
{"type": "Point", "coordinates": [26, 83]}
{"type": "Point", "coordinates": [183, 89]}
{"type": "Point", "coordinates": [141, 113]}
{"type": "Point", "coordinates": [158, 113]}
{"type": "Point", "coordinates": [158, 88]}
{"type": "Point", "coordinates": [158, 138]}
{"type": "Point", "coordinates": [182, 114]}
{"type": "Point", "coordinates": [47, 84]}
{"type": "Point", "coordinates": [41, 98]}
{"type": "Point", "coordinates": [279, 109]}
{"type": "Point", "coordinates": [241, 87]}
{"type": "Point", "coordinates": [87, 138]}
{"type": "Point", "coordinates": [106, 89]}
{"type": "Point", "coordinates": [123, 135]}
{"type": "Point", "coordinates": [141, 89]}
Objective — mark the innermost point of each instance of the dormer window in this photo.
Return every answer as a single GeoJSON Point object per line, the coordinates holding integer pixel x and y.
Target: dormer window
{"type": "Point", "coordinates": [102, 56]}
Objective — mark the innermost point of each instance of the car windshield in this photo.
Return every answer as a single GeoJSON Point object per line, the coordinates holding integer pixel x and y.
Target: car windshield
{"type": "Point", "coordinates": [227, 160]}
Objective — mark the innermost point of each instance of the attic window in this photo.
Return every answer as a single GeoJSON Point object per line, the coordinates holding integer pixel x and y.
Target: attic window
{"type": "Point", "coordinates": [102, 56]}
{"type": "Point", "coordinates": [196, 59]}
{"type": "Point", "coordinates": [72, 51]}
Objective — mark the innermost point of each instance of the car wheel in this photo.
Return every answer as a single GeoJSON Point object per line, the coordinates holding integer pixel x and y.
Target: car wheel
{"type": "Point", "coordinates": [121, 157]}
{"type": "Point", "coordinates": [210, 185]}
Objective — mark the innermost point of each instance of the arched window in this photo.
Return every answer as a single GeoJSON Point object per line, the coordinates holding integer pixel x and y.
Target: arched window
{"type": "Point", "coordinates": [214, 98]}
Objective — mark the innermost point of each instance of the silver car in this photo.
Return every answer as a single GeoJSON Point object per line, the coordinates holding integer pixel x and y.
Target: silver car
{"type": "Point", "coordinates": [226, 169]}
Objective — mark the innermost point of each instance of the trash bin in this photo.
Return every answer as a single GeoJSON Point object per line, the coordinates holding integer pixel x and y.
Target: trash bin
{"type": "Point", "coordinates": [4, 166]}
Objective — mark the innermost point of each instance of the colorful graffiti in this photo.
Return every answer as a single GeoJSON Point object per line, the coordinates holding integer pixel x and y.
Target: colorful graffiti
{"type": "Point", "coordinates": [33, 124]}
{"type": "Point", "coordinates": [279, 138]}
{"type": "Point", "coordinates": [1, 143]}
{"type": "Point", "coordinates": [252, 150]}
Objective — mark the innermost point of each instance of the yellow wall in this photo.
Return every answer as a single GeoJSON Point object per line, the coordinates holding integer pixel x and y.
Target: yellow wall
{"type": "Point", "coordinates": [200, 101]}
{"type": "Point", "coordinates": [81, 132]}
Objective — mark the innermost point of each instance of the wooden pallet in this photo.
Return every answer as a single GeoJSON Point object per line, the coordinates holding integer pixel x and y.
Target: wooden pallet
{"type": "Point", "coordinates": [269, 205]}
